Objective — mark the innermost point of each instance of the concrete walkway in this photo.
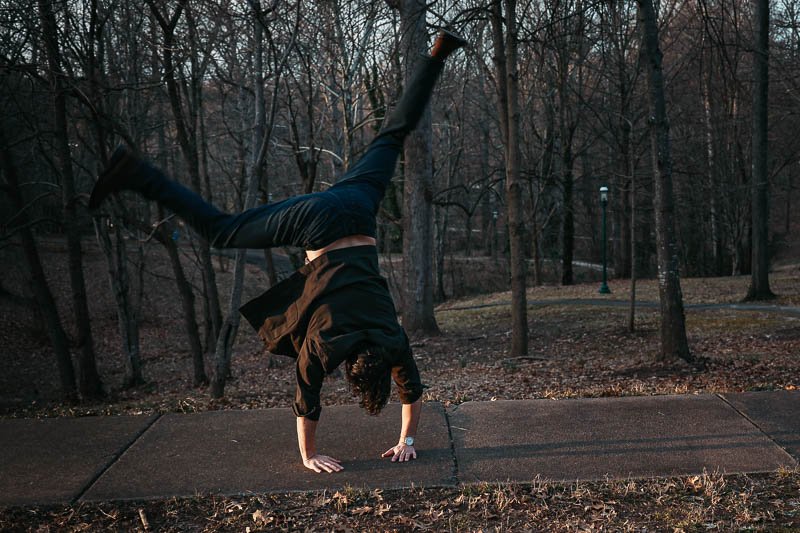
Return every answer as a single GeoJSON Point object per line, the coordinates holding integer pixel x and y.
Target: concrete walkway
{"type": "Point", "coordinates": [69, 460]}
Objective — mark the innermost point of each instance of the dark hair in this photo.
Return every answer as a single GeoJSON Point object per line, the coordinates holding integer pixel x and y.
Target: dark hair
{"type": "Point", "coordinates": [369, 375]}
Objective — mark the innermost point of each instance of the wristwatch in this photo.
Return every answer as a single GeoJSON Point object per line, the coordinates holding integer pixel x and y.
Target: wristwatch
{"type": "Point", "coordinates": [408, 441]}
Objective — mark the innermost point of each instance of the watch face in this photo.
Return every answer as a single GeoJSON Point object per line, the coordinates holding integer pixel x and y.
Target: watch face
{"type": "Point", "coordinates": [409, 441]}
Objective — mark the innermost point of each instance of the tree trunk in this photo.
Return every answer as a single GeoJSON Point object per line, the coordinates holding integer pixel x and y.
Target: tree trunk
{"type": "Point", "coordinates": [788, 220]}
{"type": "Point", "coordinates": [185, 292]}
{"type": "Point", "coordinates": [116, 252]}
{"type": "Point", "coordinates": [262, 133]}
{"type": "Point", "coordinates": [568, 220]}
{"type": "Point", "coordinates": [89, 384]}
{"type": "Point", "coordinates": [759, 273]}
{"type": "Point", "coordinates": [536, 250]}
{"type": "Point", "coordinates": [230, 326]}
{"type": "Point", "coordinates": [673, 326]}
{"type": "Point", "coordinates": [568, 225]}
{"type": "Point", "coordinates": [543, 231]}
{"type": "Point", "coordinates": [189, 317]}
{"type": "Point", "coordinates": [441, 223]}
{"type": "Point", "coordinates": [711, 172]}
{"type": "Point", "coordinates": [418, 188]}
{"type": "Point", "coordinates": [42, 294]}
{"type": "Point", "coordinates": [624, 251]}
{"type": "Point", "coordinates": [127, 319]}
{"type": "Point", "coordinates": [505, 50]}
{"type": "Point", "coordinates": [187, 139]}
{"type": "Point", "coordinates": [632, 226]}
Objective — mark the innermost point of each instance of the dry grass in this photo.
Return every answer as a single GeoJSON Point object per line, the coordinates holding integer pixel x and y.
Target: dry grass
{"type": "Point", "coordinates": [727, 290]}
{"type": "Point", "coordinates": [708, 502]}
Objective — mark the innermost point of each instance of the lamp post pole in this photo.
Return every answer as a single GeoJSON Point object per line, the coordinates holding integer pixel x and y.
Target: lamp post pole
{"type": "Point", "coordinates": [604, 202]}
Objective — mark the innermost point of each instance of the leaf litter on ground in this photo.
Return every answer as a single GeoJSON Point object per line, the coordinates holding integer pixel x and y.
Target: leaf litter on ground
{"type": "Point", "coordinates": [575, 351]}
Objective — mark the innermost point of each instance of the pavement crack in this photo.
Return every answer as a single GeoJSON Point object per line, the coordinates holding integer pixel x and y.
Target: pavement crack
{"type": "Point", "coordinates": [452, 447]}
{"type": "Point", "coordinates": [113, 460]}
{"type": "Point", "coordinates": [755, 425]}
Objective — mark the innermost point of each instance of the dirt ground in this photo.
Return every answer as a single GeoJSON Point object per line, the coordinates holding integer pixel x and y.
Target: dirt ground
{"type": "Point", "coordinates": [575, 351]}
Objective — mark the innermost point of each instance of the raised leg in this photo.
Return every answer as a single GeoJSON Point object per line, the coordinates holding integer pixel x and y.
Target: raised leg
{"type": "Point", "coordinates": [309, 221]}
{"type": "Point", "coordinates": [374, 170]}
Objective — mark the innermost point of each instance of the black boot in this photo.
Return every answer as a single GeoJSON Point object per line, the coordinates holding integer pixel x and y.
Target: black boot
{"type": "Point", "coordinates": [127, 171]}
{"type": "Point", "coordinates": [411, 106]}
{"type": "Point", "coordinates": [446, 43]}
{"type": "Point", "coordinates": [121, 174]}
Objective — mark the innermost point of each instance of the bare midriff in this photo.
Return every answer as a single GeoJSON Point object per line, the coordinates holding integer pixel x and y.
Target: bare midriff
{"type": "Point", "coordinates": [344, 242]}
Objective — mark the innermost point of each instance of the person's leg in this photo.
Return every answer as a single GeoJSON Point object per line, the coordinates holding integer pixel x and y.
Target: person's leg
{"type": "Point", "coordinates": [376, 167]}
{"type": "Point", "coordinates": [414, 100]}
{"type": "Point", "coordinates": [299, 221]}
{"type": "Point", "coordinates": [265, 226]}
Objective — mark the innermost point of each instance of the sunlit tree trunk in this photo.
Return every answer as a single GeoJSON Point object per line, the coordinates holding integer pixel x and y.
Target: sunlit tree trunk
{"type": "Point", "coordinates": [418, 188]}
{"type": "Point", "coordinates": [262, 133]}
{"type": "Point", "coordinates": [505, 50]}
{"type": "Point", "coordinates": [673, 326]}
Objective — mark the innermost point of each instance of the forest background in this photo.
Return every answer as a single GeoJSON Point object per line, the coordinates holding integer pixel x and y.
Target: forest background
{"type": "Point", "coordinates": [250, 102]}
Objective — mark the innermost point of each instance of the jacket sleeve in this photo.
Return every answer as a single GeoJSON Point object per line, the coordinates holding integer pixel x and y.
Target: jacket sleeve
{"type": "Point", "coordinates": [310, 375]}
{"type": "Point", "coordinates": [406, 376]}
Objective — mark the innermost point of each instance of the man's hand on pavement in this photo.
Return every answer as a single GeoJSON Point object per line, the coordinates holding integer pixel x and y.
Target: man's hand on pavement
{"type": "Point", "coordinates": [319, 463]}
{"type": "Point", "coordinates": [401, 453]}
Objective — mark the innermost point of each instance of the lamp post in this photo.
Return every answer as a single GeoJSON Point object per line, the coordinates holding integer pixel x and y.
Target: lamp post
{"type": "Point", "coordinates": [604, 202]}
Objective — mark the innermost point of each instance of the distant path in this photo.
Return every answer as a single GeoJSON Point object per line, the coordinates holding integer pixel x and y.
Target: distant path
{"type": "Point", "coordinates": [284, 268]}
{"type": "Point", "coordinates": [601, 302]}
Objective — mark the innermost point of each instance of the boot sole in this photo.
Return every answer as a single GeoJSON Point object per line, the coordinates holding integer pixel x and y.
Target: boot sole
{"type": "Point", "coordinates": [112, 179]}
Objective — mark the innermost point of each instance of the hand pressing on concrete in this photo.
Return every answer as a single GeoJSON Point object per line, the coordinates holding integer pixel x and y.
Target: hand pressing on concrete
{"type": "Point", "coordinates": [306, 439]}
{"type": "Point", "coordinates": [404, 450]}
{"type": "Point", "coordinates": [319, 463]}
{"type": "Point", "coordinates": [402, 453]}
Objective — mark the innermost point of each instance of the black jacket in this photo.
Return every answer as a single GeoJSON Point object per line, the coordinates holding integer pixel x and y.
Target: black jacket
{"type": "Point", "coordinates": [333, 307]}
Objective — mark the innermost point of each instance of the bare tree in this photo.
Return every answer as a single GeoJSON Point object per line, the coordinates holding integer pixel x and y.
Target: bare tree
{"type": "Point", "coordinates": [507, 79]}
{"type": "Point", "coordinates": [186, 128]}
{"type": "Point", "coordinates": [262, 133]}
{"type": "Point", "coordinates": [673, 325]}
{"type": "Point", "coordinates": [127, 295]}
{"type": "Point", "coordinates": [89, 384]}
{"type": "Point", "coordinates": [759, 274]}
{"type": "Point", "coordinates": [418, 173]}
{"type": "Point", "coordinates": [128, 304]}
{"type": "Point", "coordinates": [42, 294]}
{"type": "Point", "coordinates": [565, 44]}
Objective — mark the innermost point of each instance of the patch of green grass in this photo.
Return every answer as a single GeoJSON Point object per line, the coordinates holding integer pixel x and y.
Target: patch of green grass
{"type": "Point", "coordinates": [472, 320]}
{"type": "Point", "coordinates": [723, 321]}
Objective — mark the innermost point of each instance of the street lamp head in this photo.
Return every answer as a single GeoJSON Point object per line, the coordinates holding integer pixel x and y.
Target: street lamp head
{"type": "Point", "coordinates": [604, 194]}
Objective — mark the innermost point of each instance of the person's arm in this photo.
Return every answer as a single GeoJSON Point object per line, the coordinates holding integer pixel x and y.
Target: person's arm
{"type": "Point", "coordinates": [307, 410]}
{"type": "Point", "coordinates": [410, 419]}
{"type": "Point", "coordinates": [306, 433]}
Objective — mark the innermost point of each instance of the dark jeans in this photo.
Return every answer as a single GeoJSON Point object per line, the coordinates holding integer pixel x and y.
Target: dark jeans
{"type": "Point", "coordinates": [310, 221]}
